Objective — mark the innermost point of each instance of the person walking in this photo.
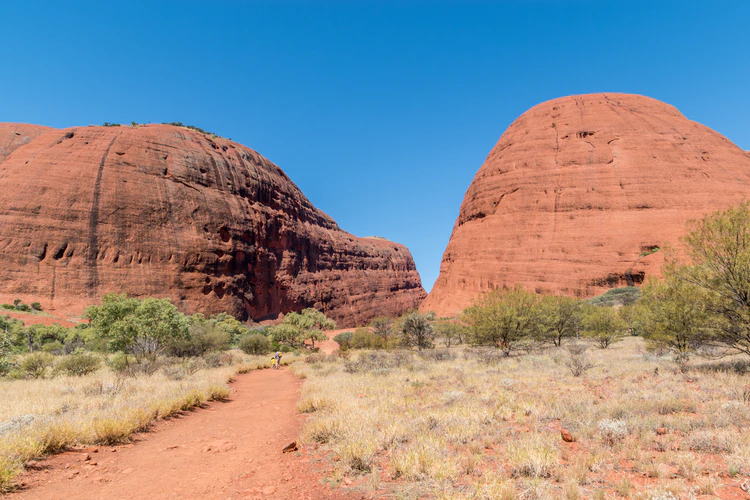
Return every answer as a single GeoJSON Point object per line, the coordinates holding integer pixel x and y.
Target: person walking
{"type": "Point", "coordinates": [278, 360]}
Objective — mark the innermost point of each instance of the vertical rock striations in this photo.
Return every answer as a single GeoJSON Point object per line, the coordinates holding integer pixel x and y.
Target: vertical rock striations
{"type": "Point", "coordinates": [159, 210]}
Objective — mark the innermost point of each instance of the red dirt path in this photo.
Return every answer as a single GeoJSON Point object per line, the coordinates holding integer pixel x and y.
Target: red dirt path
{"type": "Point", "coordinates": [224, 451]}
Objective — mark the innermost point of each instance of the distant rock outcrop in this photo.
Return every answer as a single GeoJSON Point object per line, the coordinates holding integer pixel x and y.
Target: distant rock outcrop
{"type": "Point", "coordinates": [159, 210]}
{"type": "Point", "coordinates": [578, 195]}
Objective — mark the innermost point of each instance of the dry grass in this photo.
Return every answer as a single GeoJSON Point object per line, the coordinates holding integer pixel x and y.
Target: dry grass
{"type": "Point", "coordinates": [471, 426]}
{"type": "Point", "coordinates": [42, 416]}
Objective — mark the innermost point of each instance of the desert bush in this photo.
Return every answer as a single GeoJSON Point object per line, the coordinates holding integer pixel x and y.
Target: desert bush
{"type": "Point", "coordinates": [203, 337]}
{"type": "Point", "coordinates": [364, 338]}
{"type": "Point", "coordinates": [533, 456]}
{"type": "Point", "coordinates": [617, 297]}
{"type": "Point", "coordinates": [36, 306]}
{"type": "Point", "coordinates": [383, 327]}
{"type": "Point", "coordinates": [713, 441]}
{"type": "Point", "coordinates": [578, 361]}
{"type": "Point", "coordinates": [255, 344]}
{"type": "Point", "coordinates": [613, 431]}
{"type": "Point", "coordinates": [36, 364]}
{"type": "Point", "coordinates": [503, 318]}
{"type": "Point", "coordinates": [79, 364]}
{"type": "Point", "coordinates": [297, 329]}
{"type": "Point", "coordinates": [415, 330]}
{"type": "Point", "coordinates": [218, 359]}
{"type": "Point", "coordinates": [343, 339]}
{"type": "Point", "coordinates": [602, 325]}
{"type": "Point", "coordinates": [560, 318]}
{"type": "Point", "coordinates": [450, 332]}
{"type": "Point", "coordinates": [142, 327]}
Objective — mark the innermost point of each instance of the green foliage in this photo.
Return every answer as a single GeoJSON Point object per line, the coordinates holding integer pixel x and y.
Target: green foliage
{"type": "Point", "coordinates": [142, 327]}
{"type": "Point", "coordinates": [343, 339]}
{"type": "Point", "coordinates": [617, 297]}
{"type": "Point", "coordinates": [415, 330]}
{"type": "Point", "coordinates": [298, 328]}
{"type": "Point", "coordinates": [191, 127]}
{"type": "Point", "coordinates": [364, 338]}
{"type": "Point", "coordinates": [79, 364]}
{"type": "Point", "coordinates": [36, 306]}
{"type": "Point", "coordinates": [203, 336]}
{"type": "Point", "coordinates": [675, 316]}
{"type": "Point", "coordinates": [6, 349]}
{"type": "Point", "coordinates": [35, 365]}
{"type": "Point", "coordinates": [450, 332]}
{"type": "Point", "coordinates": [719, 245]}
{"type": "Point", "coordinates": [255, 344]}
{"type": "Point", "coordinates": [383, 327]}
{"type": "Point", "coordinates": [560, 318]}
{"type": "Point", "coordinates": [108, 124]}
{"type": "Point", "coordinates": [42, 337]}
{"type": "Point", "coordinates": [603, 325]}
{"type": "Point", "coordinates": [504, 318]}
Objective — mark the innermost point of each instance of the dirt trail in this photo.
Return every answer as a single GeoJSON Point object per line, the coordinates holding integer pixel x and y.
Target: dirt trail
{"type": "Point", "coordinates": [223, 451]}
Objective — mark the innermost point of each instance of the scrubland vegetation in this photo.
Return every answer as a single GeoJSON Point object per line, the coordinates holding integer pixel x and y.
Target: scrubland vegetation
{"type": "Point", "coordinates": [134, 362]}
{"type": "Point", "coordinates": [635, 394]}
{"type": "Point", "coordinates": [475, 423]}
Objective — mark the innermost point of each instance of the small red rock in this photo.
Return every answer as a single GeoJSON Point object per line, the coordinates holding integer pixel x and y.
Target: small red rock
{"type": "Point", "coordinates": [566, 436]}
{"type": "Point", "coordinates": [661, 431]}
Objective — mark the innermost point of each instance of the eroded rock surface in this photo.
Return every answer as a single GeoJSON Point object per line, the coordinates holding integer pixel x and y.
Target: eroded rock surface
{"type": "Point", "coordinates": [165, 211]}
{"type": "Point", "coordinates": [577, 194]}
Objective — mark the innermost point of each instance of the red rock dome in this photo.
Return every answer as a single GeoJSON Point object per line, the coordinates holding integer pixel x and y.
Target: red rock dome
{"type": "Point", "coordinates": [166, 211]}
{"type": "Point", "coordinates": [577, 194]}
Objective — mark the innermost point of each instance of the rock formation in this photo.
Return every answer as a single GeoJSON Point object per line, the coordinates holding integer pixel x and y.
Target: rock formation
{"type": "Point", "coordinates": [166, 211]}
{"type": "Point", "coordinates": [579, 193]}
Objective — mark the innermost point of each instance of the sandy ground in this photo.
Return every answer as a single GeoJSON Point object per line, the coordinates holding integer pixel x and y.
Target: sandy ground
{"type": "Point", "coordinates": [225, 451]}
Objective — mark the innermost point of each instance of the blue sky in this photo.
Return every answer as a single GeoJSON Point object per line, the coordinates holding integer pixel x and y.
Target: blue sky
{"type": "Point", "coordinates": [380, 111]}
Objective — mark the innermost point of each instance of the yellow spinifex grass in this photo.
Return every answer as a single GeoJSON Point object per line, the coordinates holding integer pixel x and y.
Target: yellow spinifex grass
{"type": "Point", "coordinates": [42, 416]}
{"type": "Point", "coordinates": [480, 425]}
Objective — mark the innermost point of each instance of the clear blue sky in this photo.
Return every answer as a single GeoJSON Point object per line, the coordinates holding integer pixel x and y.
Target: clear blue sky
{"type": "Point", "coordinates": [380, 111]}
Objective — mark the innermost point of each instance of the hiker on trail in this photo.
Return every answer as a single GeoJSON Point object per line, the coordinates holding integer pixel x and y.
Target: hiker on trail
{"type": "Point", "coordinates": [277, 358]}
{"type": "Point", "coordinates": [273, 362]}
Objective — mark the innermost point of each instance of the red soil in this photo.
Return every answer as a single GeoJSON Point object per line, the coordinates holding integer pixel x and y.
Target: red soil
{"type": "Point", "coordinates": [225, 451]}
{"type": "Point", "coordinates": [35, 319]}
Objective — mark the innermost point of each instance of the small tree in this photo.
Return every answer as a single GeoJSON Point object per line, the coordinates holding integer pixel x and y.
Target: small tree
{"type": "Point", "coordinates": [451, 332]}
{"type": "Point", "coordinates": [383, 327]}
{"type": "Point", "coordinates": [719, 246]}
{"type": "Point", "coordinates": [603, 325]}
{"type": "Point", "coordinates": [255, 343]}
{"type": "Point", "coordinates": [310, 324]}
{"type": "Point", "coordinates": [416, 331]}
{"type": "Point", "coordinates": [559, 318]}
{"type": "Point", "coordinates": [142, 327]}
{"type": "Point", "coordinates": [674, 316]}
{"type": "Point", "coordinates": [503, 318]}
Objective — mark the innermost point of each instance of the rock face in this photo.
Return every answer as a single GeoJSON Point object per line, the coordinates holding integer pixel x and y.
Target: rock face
{"type": "Point", "coordinates": [577, 194]}
{"type": "Point", "coordinates": [166, 211]}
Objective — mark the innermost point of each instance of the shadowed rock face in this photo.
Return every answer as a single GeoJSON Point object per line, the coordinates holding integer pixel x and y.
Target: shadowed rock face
{"type": "Point", "coordinates": [166, 211]}
{"type": "Point", "coordinates": [579, 191]}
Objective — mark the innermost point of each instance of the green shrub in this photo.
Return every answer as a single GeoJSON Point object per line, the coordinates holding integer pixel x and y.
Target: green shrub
{"type": "Point", "coordinates": [343, 339]}
{"type": "Point", "coordinates": [54, 347]}
{"type": "Point", "coordinates": [203, 337]}
{"type": "Point", "coordinates": [79, 364]}
{"type": "Point", "coordinates": [36, 306]}
{"type": "Point", "coordinates": [118, 363]}
{"type": "Point", "coordinates": [35, 364]}
{"type": "Point", "coordinates": [255, 344]}
{"type": "Point", "coordinates": [364, 338]}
